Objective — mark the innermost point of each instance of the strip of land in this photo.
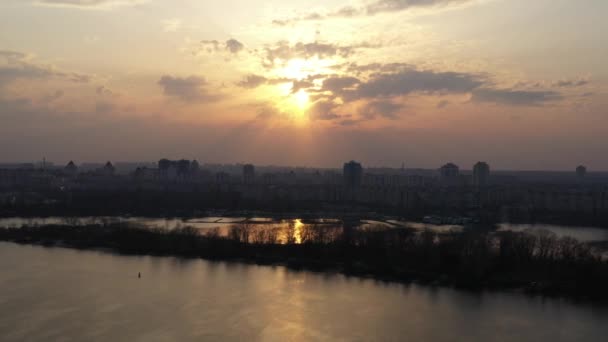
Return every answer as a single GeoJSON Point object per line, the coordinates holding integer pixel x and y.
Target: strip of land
{"type": "Point", "coordinates": [475, 259]}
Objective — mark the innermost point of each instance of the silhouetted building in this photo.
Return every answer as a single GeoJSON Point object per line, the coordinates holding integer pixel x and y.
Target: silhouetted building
{"type": "Point", "coordinates": [248, 174]}
{"type": "Point", "coordinates": [449, 173]}
{"type": "Point", "coordinates": [481, 174]}
{"type": "Point", "coordinates": [108, 169]}
{"type": "Point", "coordinates": [581, 172]}
{"type": "Point", "coordinates": [222, 177]}
{"type": "Point", "coordinates": [176, 170]}
{"type": "Point", "coordinates": [353, 174]}
{"type": "Point", "coordinates": [71, 169]}
{"type": "Point", "coordinates": [195, 167]}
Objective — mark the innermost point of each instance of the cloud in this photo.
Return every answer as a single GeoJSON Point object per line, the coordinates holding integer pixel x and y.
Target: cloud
{"type": "Point", "coordinates": [570, 83]}
{"type": "Point", "coordinates": [381, 88]}
{"type": "Point", "coordinates": [90, 4]}
{"type": "Point", "coordinates": [17, 65]}
{"type": "Point", "coordinates": [381, 6]}
{"type": "Point", "coordinates": [514, 97]}
{"type": "Point", "coordinates": [385, 109]}
{"type": "Point", "coordinates": [337, 84]}
{"type": "Point", "coordinates": [374, 8]}
{"type": "Point", "coordinates": [52, 97]}
{"type": "Point", "coordinates": [323, 110]}
{"type": "Point", "coordinates": [412, 81]}
{"type": "Point", "coordinates": [171, 25]}
{"type": "Point", "coordinates": [442, 104]}
{"type": "Point", "coordinates": [234, 46]}
{"type": "Point", "coordinates": [189, 89]}
{"type": "Point", "coordinates": [231, 46]}
{"type": "Point", "coordinates": [252, 81]}
{"type": "Point", "coordinates": [284, 51]}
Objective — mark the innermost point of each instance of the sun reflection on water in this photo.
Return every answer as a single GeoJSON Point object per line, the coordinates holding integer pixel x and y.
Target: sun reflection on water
{"type": "Point", "coordinates": [297, 231]}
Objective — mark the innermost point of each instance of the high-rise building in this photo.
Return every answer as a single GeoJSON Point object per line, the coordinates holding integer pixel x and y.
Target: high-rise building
{"type": "Point", "coordinates": [353, 174]}
{"type": "Point", "coordinates": [481, 174]}
{"type": "Point", "coordinates": [108, 169]}
{"type": "Point", "coordinates": [71, 169]}
{"type": "Point", "coordinates": [248, 174]}
{"type": "Point", "coordinates": [581, 172]}
{"type": "Point", "coordinates": [449, 173]}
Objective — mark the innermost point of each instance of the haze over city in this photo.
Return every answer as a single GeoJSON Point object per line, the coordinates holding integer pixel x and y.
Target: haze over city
{"type": "Point", "coordinates": [519, 84]}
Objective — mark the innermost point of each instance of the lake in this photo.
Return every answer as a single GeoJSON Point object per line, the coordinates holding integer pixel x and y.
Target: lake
{"type": "Point", "coordinates": [50, 294]}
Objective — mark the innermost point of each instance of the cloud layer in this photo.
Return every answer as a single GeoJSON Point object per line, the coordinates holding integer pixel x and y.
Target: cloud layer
{"type": "Point", "coordinates": [188, 89]}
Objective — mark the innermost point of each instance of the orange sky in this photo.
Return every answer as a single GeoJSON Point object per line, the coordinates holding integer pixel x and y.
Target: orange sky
{"type": "Point", "coordinates": [519, 84]}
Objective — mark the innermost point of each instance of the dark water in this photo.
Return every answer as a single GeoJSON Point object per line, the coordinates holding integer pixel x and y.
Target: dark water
{"type": "Point", "coordinates": [54, 294]}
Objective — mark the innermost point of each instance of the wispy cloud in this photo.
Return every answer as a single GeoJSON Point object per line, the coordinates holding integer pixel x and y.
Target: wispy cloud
{"type": "Point", "coordinates": [18, 65]}
{"type": "Point", "coordinates": [371, 9]}
{"type": "Point", "coordinates": [171, 25]}
{"type": "Point", "coordinates": [89, 4]}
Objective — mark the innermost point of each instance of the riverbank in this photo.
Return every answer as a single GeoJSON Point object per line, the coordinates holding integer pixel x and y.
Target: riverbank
{"type": "Point", "coordinates": [475, 260]}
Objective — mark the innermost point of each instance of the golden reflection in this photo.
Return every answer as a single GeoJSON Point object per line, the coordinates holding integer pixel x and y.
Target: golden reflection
{"type": "Point", "coordinates": [297, 231]}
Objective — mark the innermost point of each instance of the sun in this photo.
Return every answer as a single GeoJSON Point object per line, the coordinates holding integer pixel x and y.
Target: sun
{"type": "Point", "coordinates": [301, 99]}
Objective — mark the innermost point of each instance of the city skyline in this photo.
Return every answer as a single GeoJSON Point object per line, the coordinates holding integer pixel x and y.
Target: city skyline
{"type": "Point", "coordinates": [577, 169]}
{"type": "Point", "coordinates": [520, 85]}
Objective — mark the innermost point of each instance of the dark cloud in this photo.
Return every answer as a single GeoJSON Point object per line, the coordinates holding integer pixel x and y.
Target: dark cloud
{"type": "Point", "coordinates": [189, 89]}
{"type": "Point", "coordinates": [413, 81]}
{"type": "Point", "coordinates": [234, 46]}
{"type": "Point", "coordinates": [385, 109]}
{"type": "Point", "coordinates": [514, 97]}
{"type": "Point", "coordinates": [298, 85]}
{"type": "Point", "coordinates": [338, 84]}
{"type": "Point", "coordinates": [324, 110]}
{"type": "Point", "coordinates": [382, 86]}
{"type": "Point", "coordinates": [252, 81]}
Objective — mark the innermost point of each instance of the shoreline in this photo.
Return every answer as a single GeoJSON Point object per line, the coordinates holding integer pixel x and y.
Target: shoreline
{"type": "Point", "coordinates": [579, 278]}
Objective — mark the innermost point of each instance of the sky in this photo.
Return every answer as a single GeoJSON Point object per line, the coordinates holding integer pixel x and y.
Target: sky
{"type": "Point", "coordinates": [520, 84]}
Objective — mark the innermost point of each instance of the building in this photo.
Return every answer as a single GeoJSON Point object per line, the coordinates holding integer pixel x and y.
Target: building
{"type": "Point", "coordinates": [581, 172]}
{"type": "Point", "coordinates": [449, 173]}
{"type": "Point", "coordinates": [71, 169]}
{"type": "Point", "coordinates": [353, 174]}
{"type": "Point", "coordinates": [481, 174]}
{"type": "Point", "coordinates": [108, 169]}
{"type": "Point", "coordinates": [248, 174]}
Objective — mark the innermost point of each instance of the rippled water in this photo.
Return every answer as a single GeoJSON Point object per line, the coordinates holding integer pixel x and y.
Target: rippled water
{"type": "Point", "coordinates": [50, 294]}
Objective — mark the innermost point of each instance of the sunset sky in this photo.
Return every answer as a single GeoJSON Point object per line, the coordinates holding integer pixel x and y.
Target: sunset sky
{"type": "Point", "coordinates": [521, 84]}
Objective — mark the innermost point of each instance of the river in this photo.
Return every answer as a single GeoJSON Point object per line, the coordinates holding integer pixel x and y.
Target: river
{"type": "Point", "coordinates": [52, 294]}
{"type": "Point", "coordinates": [583, 234]}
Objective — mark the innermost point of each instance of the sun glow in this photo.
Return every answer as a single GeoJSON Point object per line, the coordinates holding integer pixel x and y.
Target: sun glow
{"type": "Point", "coordinates": [300, 69]}
{"type": "Point", "coordinates": [300, 75]}
{"type": "Point", "coordinates": [301, 98]}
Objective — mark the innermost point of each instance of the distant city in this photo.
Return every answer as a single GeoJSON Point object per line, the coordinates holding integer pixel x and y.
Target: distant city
{"type": "Point", "coordinates": [476, 194]}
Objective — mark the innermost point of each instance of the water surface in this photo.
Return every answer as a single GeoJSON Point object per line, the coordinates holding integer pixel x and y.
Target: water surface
{"type": "Point", "coordinates": [49, 294]}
